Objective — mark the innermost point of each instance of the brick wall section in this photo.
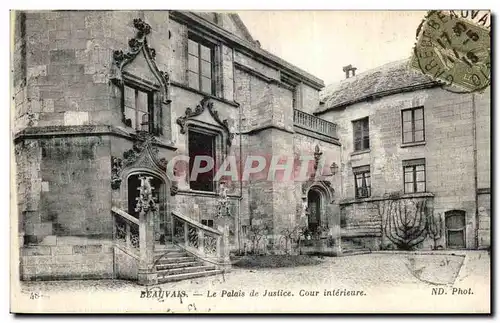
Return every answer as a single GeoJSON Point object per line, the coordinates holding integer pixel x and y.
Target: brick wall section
{"type": "Point", "coordinates": [62, 206]}
{"type": "Point", "coordinates": [256, 66]}
{"type": "Point", "coordinates": [283, 195]}
{"type": "Point", "coordinates": [282, 108]}
{"type": "Point", "coordinates": [484, 231]}
{"type": "Point", "coordinates": [65, 73]}
{"type": "Point", "coordinates": [448, 150]}
{"type": "Point", "coordinates": [309, 98]}
{"type": "Point", "coordinates": [483, 144]}
{"type": "Point", "coordinates": [178, 50]}
{"type": "Point", "coordinates": [259, 189]}
{"type": "Point", "coordinates": [483, 139]}
{"type": "Point", "coordinates": [78, 169]}
{"type": "Point", "coordinates": [68, 59]}
{"type": "Point", "coordinates": [227, 73]}
{"type": "Point", "coordinates": [255, 98]}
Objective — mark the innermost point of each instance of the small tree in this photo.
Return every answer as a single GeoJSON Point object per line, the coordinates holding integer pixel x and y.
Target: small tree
{"type": "Point", "coordinates": [291, 237]}
{"type": "Point", "coordinates": [255, 234]}
{"type": "Point", "coordinates": [435, 228]}
{"type": "Point", "coordinates": [405, 223]}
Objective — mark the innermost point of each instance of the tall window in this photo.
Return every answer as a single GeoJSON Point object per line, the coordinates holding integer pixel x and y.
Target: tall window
{"type": "Point", "coordinates": [201, 65]}
{"type": "Point", "coordinates": [362, 181]}
{"type": "Point", "coordinates": [201, 144]}
{"type": "Point", "coordinates": [414, 175]}
{"type": "Point", "coordinates": [361, 134]}
{"type": "Point", "coordinates": [413, 125]}
{"type": "Point", "coordinates": [138, 108]}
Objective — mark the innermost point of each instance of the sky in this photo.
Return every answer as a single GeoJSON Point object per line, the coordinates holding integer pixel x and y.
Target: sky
{"type": "Point", "coordinates": [322, 42]}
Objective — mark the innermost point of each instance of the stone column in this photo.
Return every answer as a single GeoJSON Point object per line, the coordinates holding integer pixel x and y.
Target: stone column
{"type": "Point", "coordinates": [146, 206]}
{"type": "Point", "coordinates": [224, 216]}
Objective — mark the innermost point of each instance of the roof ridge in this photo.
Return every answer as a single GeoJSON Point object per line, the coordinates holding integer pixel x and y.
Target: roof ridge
{"type": "Point", "coordinates": [389, 78]}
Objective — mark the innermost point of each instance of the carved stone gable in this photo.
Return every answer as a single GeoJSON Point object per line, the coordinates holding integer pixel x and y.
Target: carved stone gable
{"type": "Point", "coordinates": [144, 154]}
{"type": "Point", "coordinates": [324, 186]}
{"type": "Point", "coordinates": [142, 72]}
{"type": "Point", "coordinates": [138, 44]}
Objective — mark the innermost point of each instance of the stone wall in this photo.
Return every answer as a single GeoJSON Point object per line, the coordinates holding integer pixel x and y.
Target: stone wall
{"type": "Point", "coordinates": [483, 144]}
{"type": "Point", "coordinates": [68, 258]}
{"type": "Point", "coordinates": [58, 197]}
{"type": "Point", "coordinates": [69, 124]}
{"type": "Point", "coordinates": [309, 98]}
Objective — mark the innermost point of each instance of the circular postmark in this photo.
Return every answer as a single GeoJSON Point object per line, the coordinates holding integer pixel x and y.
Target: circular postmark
{"type": "Point", "coordinates": [454, 52]}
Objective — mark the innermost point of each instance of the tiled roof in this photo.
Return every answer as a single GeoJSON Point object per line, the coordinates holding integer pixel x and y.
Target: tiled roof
{"type": "Point", "coordinates": [384, 80]}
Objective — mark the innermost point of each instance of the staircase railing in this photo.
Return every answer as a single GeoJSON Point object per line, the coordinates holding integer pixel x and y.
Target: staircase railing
{"type": "Point", "coordinates": [200, 240]}
{"type": "Point", "coordinates": [126, 230]}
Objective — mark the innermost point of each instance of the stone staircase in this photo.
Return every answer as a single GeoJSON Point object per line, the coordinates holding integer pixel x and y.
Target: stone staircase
{"type": "Point", "coordinates": [172, 263]}
{"type": "Point", "coordinates": [193, 251]}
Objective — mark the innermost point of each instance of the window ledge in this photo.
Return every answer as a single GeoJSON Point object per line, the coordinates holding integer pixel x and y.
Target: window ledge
{"type": "Point", "coordinates": [360, 152]}
{"type": "Point", "coordinates": [412, 144]}
{"type": "Point", "coordinates": [187, 88]}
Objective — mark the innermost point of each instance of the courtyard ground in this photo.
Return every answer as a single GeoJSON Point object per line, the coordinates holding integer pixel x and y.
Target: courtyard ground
{"type": "Point", "coordinates": [377, 282]}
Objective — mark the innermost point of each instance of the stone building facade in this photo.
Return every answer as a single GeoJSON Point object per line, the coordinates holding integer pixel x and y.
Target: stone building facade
{"type": "Point", "coordinates": [393, 122]}
{"type": "Point", "coordinates": [103, 98]}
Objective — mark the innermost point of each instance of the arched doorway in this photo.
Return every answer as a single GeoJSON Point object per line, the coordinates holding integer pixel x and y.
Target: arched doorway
{"type": "Point", "coordinates": [455, 229]}
{"type": "Point", "coordinates": [314, 210]}
{"type": "Point", "coordinates": [160, 222]}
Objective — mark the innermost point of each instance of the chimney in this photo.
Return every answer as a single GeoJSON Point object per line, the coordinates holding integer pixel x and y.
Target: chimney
{"type": "Point", "coordinates": [348, 69]}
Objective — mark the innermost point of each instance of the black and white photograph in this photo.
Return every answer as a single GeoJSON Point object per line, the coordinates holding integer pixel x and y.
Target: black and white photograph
{"type": "Point", "coordinates": [300, 161]}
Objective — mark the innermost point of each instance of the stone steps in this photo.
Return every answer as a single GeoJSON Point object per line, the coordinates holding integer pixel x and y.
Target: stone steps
{"type": "Point", "coordinates": [169, 254]}
{"type": "Point", "coordinates": [176, 264]}
{"type": "Point", "coordinates": [172, 260]}
{"type": "Point", "coordinates": [184, 270]}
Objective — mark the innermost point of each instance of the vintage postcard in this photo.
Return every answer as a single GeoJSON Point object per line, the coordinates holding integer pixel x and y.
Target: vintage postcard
{"type": "Point", "coordinates": [174, 161]}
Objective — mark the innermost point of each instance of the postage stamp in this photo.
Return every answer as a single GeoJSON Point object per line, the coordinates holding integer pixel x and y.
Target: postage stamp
{"type": "Point", "coordinates": [454, 51]}
{"type": "Point", "coordinates": [168, 161]}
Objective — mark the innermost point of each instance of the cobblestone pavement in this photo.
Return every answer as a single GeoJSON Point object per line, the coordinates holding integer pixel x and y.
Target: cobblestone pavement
{"type": "Point", "coordinates": [380, 277]}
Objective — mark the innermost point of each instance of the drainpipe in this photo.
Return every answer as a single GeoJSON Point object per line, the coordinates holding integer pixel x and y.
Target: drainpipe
{"type": "Point", "coordinates": [476, 197]}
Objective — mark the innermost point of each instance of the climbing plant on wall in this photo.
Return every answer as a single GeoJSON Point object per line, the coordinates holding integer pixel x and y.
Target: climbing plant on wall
{"type": "Point", "coordinates": [405, 222]}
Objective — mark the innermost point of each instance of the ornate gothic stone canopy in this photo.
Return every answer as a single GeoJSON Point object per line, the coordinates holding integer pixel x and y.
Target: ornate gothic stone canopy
{"type": "Point", "coordinates": [136, 45]}
{"type": "Point", "coordinates": [143, 155]}
{"type": "Point", "coordinates": [325, 187]}
{"type": "Point", "coordinates": [205, 103]}
{"type": "Point", "coordinates": [157, 81]}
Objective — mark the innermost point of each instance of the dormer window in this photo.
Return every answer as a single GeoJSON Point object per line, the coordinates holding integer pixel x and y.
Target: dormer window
{"type": "Point", "coordinates": [143, 88]}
